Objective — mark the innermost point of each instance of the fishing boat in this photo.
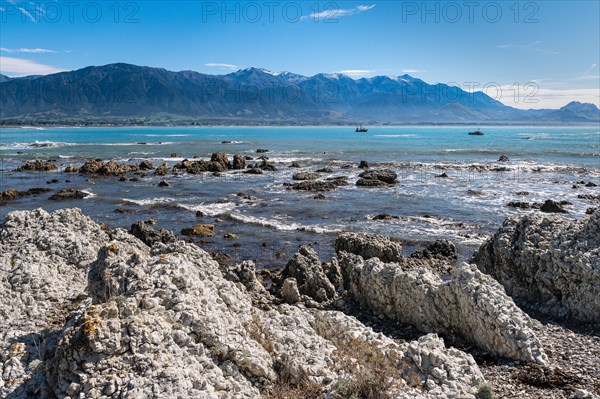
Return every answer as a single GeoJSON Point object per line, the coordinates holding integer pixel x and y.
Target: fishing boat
{"type": "Point", "coordinates": [477, 132]}
{"type": "Point", "coordinates": [361, 129]}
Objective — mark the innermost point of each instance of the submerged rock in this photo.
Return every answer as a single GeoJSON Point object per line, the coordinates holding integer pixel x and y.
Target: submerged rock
{"type": "Point", "coordinates": [548, 263]}
{"type": "Point", "coordinates": [68, 193]}
{"type": "Point", "coordinates": [317, 185]}
{"type": "Point", "coordinates": [203, 230]}
{"type": "Point", "coordinates": [38, 166]}
{"type": "Point", "coordinates": [305, 176]}
{"type": "Point", "coordinates": [552, 207]}
{"type": "Point", "coordinates": [11, 195]}
{"type": "Point", "coordinates": [519, 204]}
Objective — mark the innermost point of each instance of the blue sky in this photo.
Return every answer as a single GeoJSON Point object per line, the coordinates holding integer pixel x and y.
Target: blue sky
{"type": "Point", "coordinates": [542, 50]}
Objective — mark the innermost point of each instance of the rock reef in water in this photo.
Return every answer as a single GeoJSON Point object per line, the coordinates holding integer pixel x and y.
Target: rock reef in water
{"type": "Point", "coordinates": [96, 313]}
{"type": "Point", "coordinates": [469, 305]}
{"type": "Point", "coordinates": [548, 263]}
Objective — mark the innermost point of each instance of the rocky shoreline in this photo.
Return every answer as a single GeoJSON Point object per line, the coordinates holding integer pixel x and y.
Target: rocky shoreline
{"type": "Point", "coordinates": [91, 311]}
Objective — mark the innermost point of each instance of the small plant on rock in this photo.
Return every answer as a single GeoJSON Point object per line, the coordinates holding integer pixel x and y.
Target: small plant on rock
{"type": "Point", "coordinates": [486, 391]}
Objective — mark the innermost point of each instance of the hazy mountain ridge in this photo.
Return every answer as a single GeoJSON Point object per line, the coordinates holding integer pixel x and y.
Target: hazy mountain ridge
{"type": "Point", "coordinates": [119, 91]}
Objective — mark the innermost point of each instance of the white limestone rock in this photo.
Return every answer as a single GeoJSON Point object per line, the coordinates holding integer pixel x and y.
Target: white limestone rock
{"type": "Point", "coordinates": [469, 304]}
{"type": "Point", "coordinates": [549, 263]}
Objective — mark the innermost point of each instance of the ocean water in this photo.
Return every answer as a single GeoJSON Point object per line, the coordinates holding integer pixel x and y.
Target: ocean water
{"type": "Point", "coordinates": [544, 161]}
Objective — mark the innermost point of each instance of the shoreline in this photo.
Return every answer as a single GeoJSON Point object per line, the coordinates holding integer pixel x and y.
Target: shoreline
{"type": "Point", "coordinates": [298, 125]}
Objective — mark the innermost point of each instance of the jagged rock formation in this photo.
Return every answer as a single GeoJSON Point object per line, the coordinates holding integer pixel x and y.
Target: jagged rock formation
{"type": "Point", "coordinates": [470, 304]}
{"type": "Point", "coordinates": [104, 169]}
{"type": "Point", "coordinates": [37, 166]}
{"type": "Point", "coordinates": [309, 276]}
{"type": "Point", "coordinates": [369, 246]}
{"type": "Point", "coordinates": [166, 321]}
{"type": "Point", "coordinates": [43, 270]}
{"type": "Point", "coordinates": [548, 263]}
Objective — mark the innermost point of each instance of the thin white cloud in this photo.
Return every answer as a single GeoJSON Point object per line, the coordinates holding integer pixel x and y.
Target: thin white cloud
{"type": "Point", "coordinates": [27, 14]}
{"type": "Point", "coordinates": [23, 67]}
{"type": "Point", "coordinates": [27, 50]}
{"type": "Point", "coordinates": [412, 71]}
{"type": "Point", "coordinates": [529, 47]}
{"type": "Point", "coordinates": [230, 67]}
{"type": "Point", "coordinates": [334, 13]}
{"type": "Point", "coordinates": [21, 7]}
{"type": "Point", "coordinates": [357, 73]}
{"type": "Point", "coordinates": [590, 69]}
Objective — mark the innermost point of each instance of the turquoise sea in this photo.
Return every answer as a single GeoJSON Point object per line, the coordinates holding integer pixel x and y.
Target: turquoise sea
{"type": "Point", "coordinates": [544, 161]}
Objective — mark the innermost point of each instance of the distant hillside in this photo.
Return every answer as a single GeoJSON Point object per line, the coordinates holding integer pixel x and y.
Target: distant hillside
{"type": "Point", "coordinates": [121, 91]}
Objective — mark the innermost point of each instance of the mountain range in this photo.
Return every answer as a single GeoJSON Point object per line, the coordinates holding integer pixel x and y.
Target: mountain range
{"type": "Point", "coordinates": [124, 93]}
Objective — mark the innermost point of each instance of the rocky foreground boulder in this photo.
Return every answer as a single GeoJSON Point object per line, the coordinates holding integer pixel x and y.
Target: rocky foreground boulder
{"type": "Point", "coordinates": [97, 313]}
{"type": "Point", "coordinates": [469, 304]}
{"type": "Point", "coordinates": [548, 263]}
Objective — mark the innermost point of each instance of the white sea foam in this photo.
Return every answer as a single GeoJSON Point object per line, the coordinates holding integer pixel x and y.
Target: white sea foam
{"type": "Point", "coordinates": [150, 201]}
{"type": "Point", "coordinates": [281, 225]}
{"type": "Point", "coordinates": [89, 194]}
{"type": "Point", "coordinates": [213, 209]}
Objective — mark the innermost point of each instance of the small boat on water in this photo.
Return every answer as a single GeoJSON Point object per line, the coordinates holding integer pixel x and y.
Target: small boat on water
{"type": "Point", "coordinates": [361, 129]}
{"type": "Point", "coordinates": [477, 132]}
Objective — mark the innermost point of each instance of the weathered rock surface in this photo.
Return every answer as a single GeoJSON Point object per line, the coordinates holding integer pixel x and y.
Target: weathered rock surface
{"type": "Point", "coordinates": [306, 269]}
{"type": "Point", "coordinates": [162, 170]}
{"type": "Point", "coordinates": [384, 175]}
{"type": "Point", "coordinates": [470, 305]}
{"type": "Point", "coordinates": [548, 263]}
{"type": "Point", "coordinates": [104, 169]}
{"type": "Point", "coordinates": [148, 235]}
{"type": "Point", "coordinates": [166, 322]}
{"type": "Point", "coordinates": [145, 165]}
{"type": "Point", "coordinates": [369, 246]}
{"type": "Point", "coordinates": [439, 249]}
{"type": "Point", "coordinates": [239, 162]}
{"type": "Point", "coordinates": [43, 270]}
